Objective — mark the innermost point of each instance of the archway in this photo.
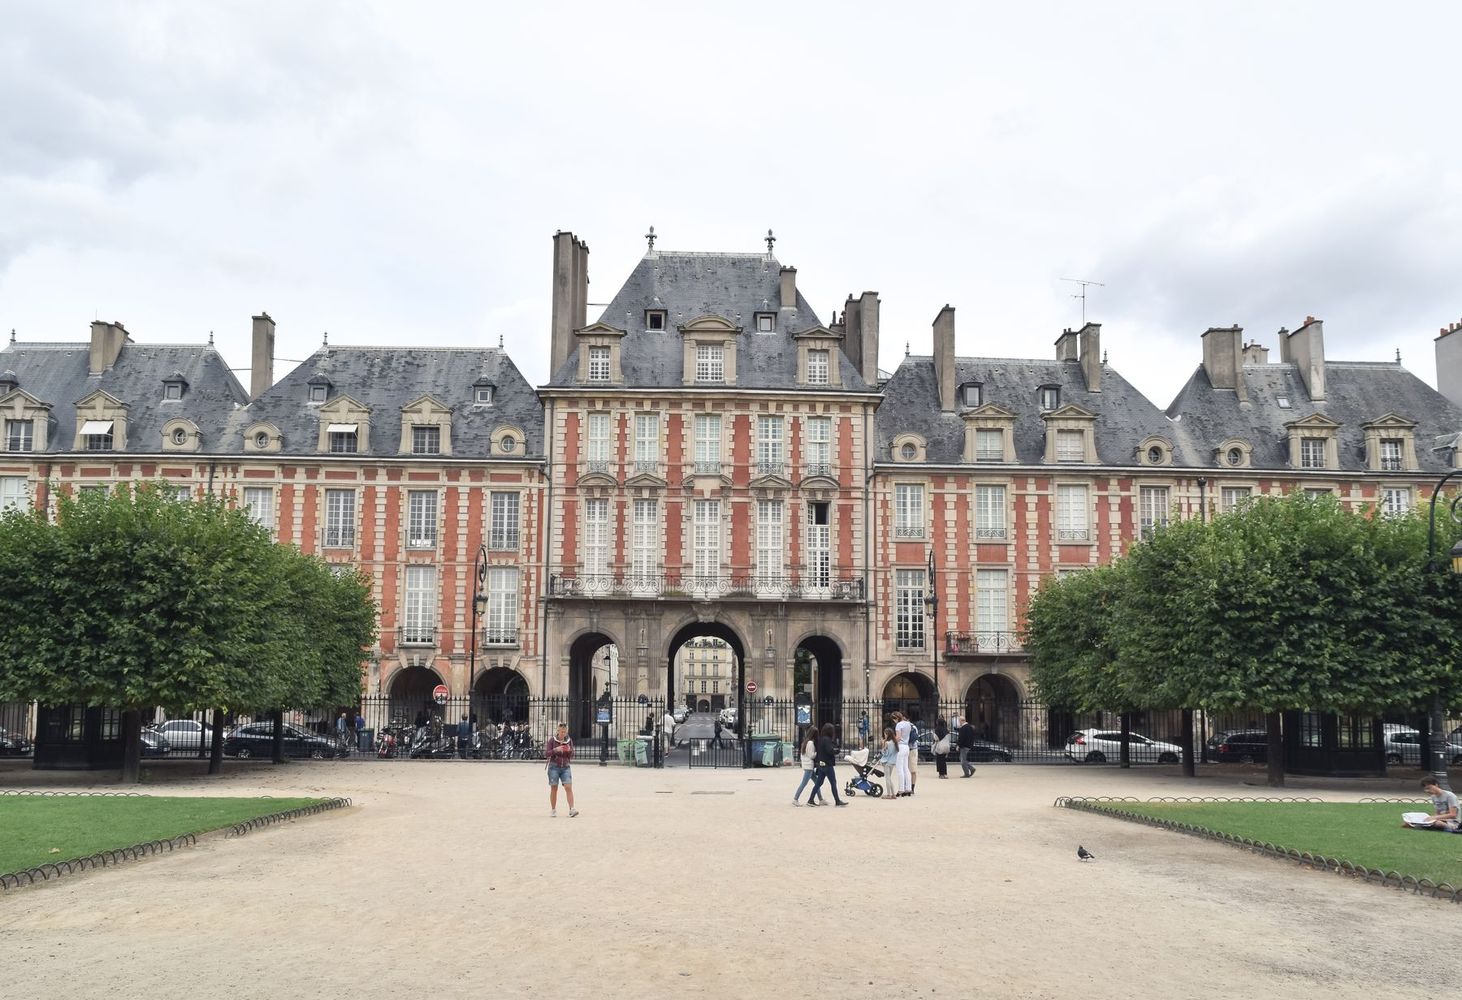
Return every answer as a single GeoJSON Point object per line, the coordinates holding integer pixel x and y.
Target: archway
{"type": "Point", "coordinates": [992, 705]}
{"type": "Point", "coordinates": [501, 695]}
{"type": "Point", "coordinates": [410, 694]}
{"type": "Point", "coordinates": [827, 677]}
{"type": "Point", "coordinates": [726, 655]}
{"type": "Point", "coordinates": [909, 693]}
{"type": "Point", "coordinates": [593, 658]}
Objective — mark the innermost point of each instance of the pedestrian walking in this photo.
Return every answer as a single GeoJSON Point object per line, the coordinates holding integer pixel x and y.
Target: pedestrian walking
{"type": "Point", "coordinates": [941, 748]}
{"type": "Point", "coordinates": [827, 754]}
{"type": "Point", "coordinates": [901, 730]}
{"type": "Point", "coordinates": [464, 736]}
{"type": "Point", "coordinates": [863, 728]}
{"type": "Point", "coordinates": [888, 759]}
{"type": "Point", "coordinates": [913, 756]}
{"type": "Point", "coordinates": [668, 725]}
{"type": "Point", "coordinates": [560, 752]}
{"type": "Point", "coordinates": [716, 740]}
{"type": "Point", "coordinates": [809, 766]}
{"type": "Point", "coordinates": [966, 742]}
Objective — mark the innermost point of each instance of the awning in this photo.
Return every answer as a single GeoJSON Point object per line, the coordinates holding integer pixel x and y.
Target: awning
{"type": "Point", "coordinates": [96, 427]}
{"type": "Point", "coordinates": [342, 428]}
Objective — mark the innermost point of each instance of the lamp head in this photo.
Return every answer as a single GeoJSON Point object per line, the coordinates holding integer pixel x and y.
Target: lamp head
{"type": "Point", "coordinates": [1457, 558]}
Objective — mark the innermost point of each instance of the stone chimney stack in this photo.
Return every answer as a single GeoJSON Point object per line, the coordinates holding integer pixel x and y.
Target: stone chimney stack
{"type": "Point", "coordinates": [789, 288]}
{"type": "Point", "coordinates": [1223, 359]}
{"type": "Point", "coordinates": [1449, 362]}
{"type": "Point", "coordinates": [1256, 354]}
{"type": "Point", "coordinates": [261, 366]}
{"type": "Point", "coordinates": [1091, 356]}
{"type": "Point", "coordinates": [868, 332]}
{"type": "Point", "coordinates": [944, 357]}
{"type": "Point", "coordinates": [106, 343]}
{"type": "Point", "coordinates": [1067, 346]}
{"type": "Point", "coordinates": [570, 296]}
{"type": "Point", "coordinates": [851, 328]}
{"type": "Point", "coordinates": [1307, 351]}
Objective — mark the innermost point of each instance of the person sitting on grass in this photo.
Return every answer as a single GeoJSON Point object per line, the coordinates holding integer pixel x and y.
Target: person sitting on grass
{"type": "Point", "coordinates": [1444, 804]}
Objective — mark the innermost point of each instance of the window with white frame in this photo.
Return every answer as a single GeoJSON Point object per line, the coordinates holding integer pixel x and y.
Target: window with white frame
{"type": "Point", "coordinates": [1316, 492]}
{"type": "Point", "coordinates": [1395, 500]}
{"type": "Point", "coordinates": [1232, 497]}
{"type": "Point", "coordinates": [339, 519]}
{"type": "Point", "coordinates": [1390, 455]}
{"type": "Point", "coordinates": [909, 609]}
{"type": "Point", "coordinates": [1071, 514]}
{"type": "Point", "coordinates": [259, 505]}
{"type": "Point", "coordinates": [645, 542]}
{"type": "Point", "coordinates": [710, 363]}
{"type": "Point", "coordinates": [766, 322]}
{"type": "Point", "coordinates": [426, 440]}
{"type": "Point", "coordinates": [14, 494]}
{"type": "Point", "coordinates": [769, 542]}
{"type": "Point", "coordinates": [598, 364]}
{"type": "Point", "coordinates": [1312, 453]}
{"type": "Point", "coordinates": [598, 454]}
{"type": "Point", "coordinates": [647, 443]}
{"type": "Point", "coordinates": [908, 510]}
{"type": "Point", "coordinates": [596, 540]}
{"type": "Point", "coordinates": [1070, 446]}
{"type": "Point", "coordinates": [989, 445]}
{"type": "Point", "coordinates": [419, 622]}
{"type": "Point", "coordinates": [342, 442]}
{"type": "Point", "coordinates": [421, 519]}
{"type": "Point", "coordinates": [819, 544]}
{"type": "Point", "coordinates": [182, 492]}
{"type": "Point", "coordinates": [769, 442]}
{"type": "Point", "coordinates": [706, 545]}
{"type": "Point", "coordinates": [707, 432]}
{"type": "Point", "coordinates": [972, 395]}
{"type": "Point", "coordinates": [1050, 397]}
{"type": "Point", "coordinates": [1152, 509]}
{"type": "Point", "coordinates": [98, 442]}
{"type": "Point", "coordinates": [819, 362]}
{"type": "Point", "coordinates": [19, 435]}
{"type": "Point", "coordinates": [989, 512]}
{"type": "Point", "coordinates": [502, 606]}
{"type": "Point", "coordinates": [992, 611]}
{"type": "Point", "coordinates": [819, 446]}
{"type": "Point", "coordinates": [503, 521]}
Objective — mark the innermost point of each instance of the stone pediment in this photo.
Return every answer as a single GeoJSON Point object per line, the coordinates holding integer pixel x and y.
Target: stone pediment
{"type": "Point", "coordinates": [343, 405]}
{"type": "Point", "coordinates": [819, 482]}
{"type": "Point", "coordinates": [1069, 412]}
{"type": "Point", "coordinates": [600, 329]}
{"type": "Point", "coordinates": [597, 479]}
{"type": "Point", "coordinates": [710, 323]}
{"type": "Point", "coordinates": [1391, 420]}
{"type": "Point", "coordinates": [426, 406]}
{"type": "Point", "coordinates": [1315, 421]}
{"type": "Point", "coordinates": [991, 411]}
{"type": "Point", "coordinates": [645, 479]}
{"type": "Point", "coordinates": [770, 482]}
{"type": "Point", "coordinates": [99, 399]}
{"type": "Point", "coordinates": [24, 400]}
{"type": "Point", "coordinates": [817, 333]}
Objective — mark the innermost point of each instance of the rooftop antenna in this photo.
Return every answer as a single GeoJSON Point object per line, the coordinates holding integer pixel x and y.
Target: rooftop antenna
{"type": "Point", "coordinates": [650, 239]}
{"type": "Point", "coordinates": [1083, 282]}
{"type": "Point", "coordinates": [770, 240]}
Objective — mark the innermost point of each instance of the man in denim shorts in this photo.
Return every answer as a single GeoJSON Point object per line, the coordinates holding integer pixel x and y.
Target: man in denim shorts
{"type": "Point", "coordinates": [560, 753]}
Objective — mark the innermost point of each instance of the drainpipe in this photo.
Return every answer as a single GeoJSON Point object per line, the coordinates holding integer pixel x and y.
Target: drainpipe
{"type": "Point", "coordinates": [867, 572]}
{"type": "Point", "coordinates": [545, 536]}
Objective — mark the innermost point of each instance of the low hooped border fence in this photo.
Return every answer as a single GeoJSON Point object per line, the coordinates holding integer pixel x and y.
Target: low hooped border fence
{"type": "Point", "coordinates": [1111, 806]}
{"type": "Point", "coordinates": [53, 870]}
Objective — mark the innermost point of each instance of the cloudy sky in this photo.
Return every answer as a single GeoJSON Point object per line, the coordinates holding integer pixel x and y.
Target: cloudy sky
{"type": "Point", "coordinates": [392, 173]}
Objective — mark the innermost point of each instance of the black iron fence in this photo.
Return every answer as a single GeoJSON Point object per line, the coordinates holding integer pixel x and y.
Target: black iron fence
{"type": "Point", "coordinates": [17, 729]}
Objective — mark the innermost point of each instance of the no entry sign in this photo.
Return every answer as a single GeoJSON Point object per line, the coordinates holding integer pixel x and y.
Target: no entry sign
{"type": "Point", "coordinates": [439, 694]}
{"type": "Point", "coordinates": [751, 687]}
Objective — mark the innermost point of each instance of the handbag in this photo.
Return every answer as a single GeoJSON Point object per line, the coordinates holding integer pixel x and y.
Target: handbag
{"type": "Point", "coordinates": [941, 747]}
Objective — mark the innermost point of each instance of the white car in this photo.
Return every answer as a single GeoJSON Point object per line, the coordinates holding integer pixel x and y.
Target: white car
{"type": "Point", "coordinates": [184, 734]}
{"type": "Point", "coordinates": [1097, 746]}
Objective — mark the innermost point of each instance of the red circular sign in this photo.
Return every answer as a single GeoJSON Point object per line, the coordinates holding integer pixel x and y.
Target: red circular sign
{"type": "Point", "coordinates": [751, 687]}
{"type": "Point", "coordinates": [439, 694]}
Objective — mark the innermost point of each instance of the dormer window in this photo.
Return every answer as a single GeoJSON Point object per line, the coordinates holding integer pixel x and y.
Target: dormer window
{"type": "Point", "coordinates": [710, 363]}
{"type": "Point", "coordinates": [1312, 453]}
{"type": "Point", "coordinates": [426, 440]}
{"type": "Point", "coordinates": [96, 435]}
{"type": "Point", "coordinates": [261, 440]}
{"type": "Point", "coordinates": [8, 382]}
{"type": "Point", "coordinates": [19, 435]}
{"type": "Point", "coordinates": [1050, 397]}
{"type": "Point", "coordinates": [482, 395]}
{"type": "Point", "coordinates": [343, 438]}
{"type": "Point", "coordinates": [1391, 451]}
{"type": "Point", "coordinates": [173, 388]}
{"type": "Point", "coordinates": [819, 362]}
{"type": "Point", "coordinates": [766, 322]}
{"type": "Point", "coordinates": [317, 393]}
{"type": "Point", "coordinates": [599, 364]}
{"type": "Point", "coordinates": [654, 319]}
{"type": "Point", "coordinates": [1235, 457]}
{"type": "Point", "coordinates": [972, 395]}
{"type": "Point", "coordinates": [179, 436]}
{"type": "Point", "coordinates": [509, 444]}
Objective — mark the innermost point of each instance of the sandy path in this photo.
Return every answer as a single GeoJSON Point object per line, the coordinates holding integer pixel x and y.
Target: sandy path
{"type": "Point", "coordinates": [449, 879]}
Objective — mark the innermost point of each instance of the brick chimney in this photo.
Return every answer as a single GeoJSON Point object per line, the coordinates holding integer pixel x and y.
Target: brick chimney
{"type": "Point", "coordinates": [1307, 351]}
{"type": "Point", "coordinates": [570, 296]}
{"type": "Point", "coordinates": [106, 343]}
{"type": "Point", "coordinates": [1091, 356]}
{"type": "Point", "coordinates": [1067, 346]}
{"type": "Point", "coordinates": [261, 366]}
{"type": "Point", "coordinates": [1449, 362]}
{"type": "Point", "coordinates": [789, 288]}
{"type": "Point", "coordinates": [944, 357]}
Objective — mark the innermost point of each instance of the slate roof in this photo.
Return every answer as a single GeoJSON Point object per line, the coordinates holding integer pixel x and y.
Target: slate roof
{"type": "Point", "coordinates": [1357, 393]}
{"type": "Point", "coordinates": [689, 285]}
{"type": "Point", "coordinates": [1124, 417]}
{"type": "Point", "coordinates": [57, 374]}
{"type": "Point", "coordinates": [387, 379]}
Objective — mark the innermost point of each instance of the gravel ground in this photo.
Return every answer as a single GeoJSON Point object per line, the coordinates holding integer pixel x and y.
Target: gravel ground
{"type": "Point", "coordinates": [449, 879]}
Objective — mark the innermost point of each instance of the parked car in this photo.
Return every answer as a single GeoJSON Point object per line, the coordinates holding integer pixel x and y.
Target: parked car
{"type": "Point", "coordinates": [1097, 746]}
{"type": "Point", "coordinates": [728, 717]}
{"type": "Point", "coordinates": [154, 745]}
{"type": "Point", "coordinates": [983, 750]}
{"type": "Point", "coordinates": [1403, 745]}
{"type": "Point", "coordinates": [681, 713]}
{"type": "Point", "coordinates": [256, 739]}
{"type": "Point", "coordinates": [184, 734]}
{"type": "Point", "coordinates": [1244, 746]}
{"type": "Point", "coordinates": [13, 744]}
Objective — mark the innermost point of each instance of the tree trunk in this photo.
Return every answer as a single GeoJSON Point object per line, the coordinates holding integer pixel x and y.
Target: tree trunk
{"type": "Point", "coordinates": [277, 744]}
{"type": "Point", "coordinates": [1437, 744]}
{"type": "Point", "coordinates": [1276, 749]}
{"type": "Point", "coordinates": [131, 746]}
{"type": "Point", "coordinates": [1190, 769]}
{"type": "Point", "coordinates": [215, 750]}
{"type": "Point", "coordinates": [1125, 756]}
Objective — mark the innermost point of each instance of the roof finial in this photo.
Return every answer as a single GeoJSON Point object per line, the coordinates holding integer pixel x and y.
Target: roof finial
{"type": "Point", "coordinates": [650, 239]}
{"type": "Point", "coordinates": [1398, 355]}
{"type": "Point", "coordinates": [325, 342]}
{"type": "Point", "coordinates": [906, 348]}
{"type": "Point", "coordinates": [12, 334]}
{"type": "Point", "coordinates": [210, 338]}
{"type": "Point", "coordinates": [770, 240]}
{"type": "Point", "coordinates": [500, 340]}
{"type": "Point", "coordinates": [1104, 357]}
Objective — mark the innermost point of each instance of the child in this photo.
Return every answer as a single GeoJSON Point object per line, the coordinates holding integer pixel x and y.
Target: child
{"type": "Point", "coordinates": [888, 761]}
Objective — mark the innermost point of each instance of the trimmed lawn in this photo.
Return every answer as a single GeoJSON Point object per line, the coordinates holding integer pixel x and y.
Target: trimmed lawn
{"type": "Point", "coordinates": [1367, 833]}
{"type": "Point", "coordinates": [31, 826]}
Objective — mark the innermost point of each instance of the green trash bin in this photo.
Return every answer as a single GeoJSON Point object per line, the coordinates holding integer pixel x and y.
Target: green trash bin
{"type": "Point", "coordinates": [642, 751]}
{"type": "Point", "coordinates": [766, 750]}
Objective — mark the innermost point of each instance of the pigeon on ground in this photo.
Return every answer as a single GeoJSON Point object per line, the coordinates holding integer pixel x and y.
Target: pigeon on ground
{"type": "Point", "coordinates": [1084, 854]}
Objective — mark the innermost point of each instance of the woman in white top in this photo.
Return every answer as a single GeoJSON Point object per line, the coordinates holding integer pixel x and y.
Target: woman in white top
{"type": "Point", "coordinates": [901, 730]}
{"type": "Point", "coordinates": [809, 752]}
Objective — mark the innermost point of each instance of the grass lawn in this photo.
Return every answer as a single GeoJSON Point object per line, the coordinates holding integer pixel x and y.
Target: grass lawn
{"type": "Point", "coordinates": [1367, 834]}
{"type": "Point", "coordinates": [36, 829]}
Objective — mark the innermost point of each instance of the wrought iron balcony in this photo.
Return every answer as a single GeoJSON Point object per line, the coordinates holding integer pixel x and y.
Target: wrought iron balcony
{"type": "Point", "coordinates": [500, 635]}
{"type": "Point", "coordinates": [820, 469]}
{"type": "Point", "coordinates": [418, 635]}
{"type": "Point", "coordinates": [647, 467]}
{"type": "Point", "coordinates": [1073, 535]}
{"type": "Point", "coordinates": [771, 467]}
{"type": "Point", "coordinates": [707, 468]}
{"type": "Point", "coordinates": [600, 466]}
{"type": "Point", "coordinates": [905, 531]}
{"type": "Point", "coordinates": [996, 534]}
{"type": "Point", "coordinates": [980, 643]}
{"type": "Point", "coordinates": [697, 587]}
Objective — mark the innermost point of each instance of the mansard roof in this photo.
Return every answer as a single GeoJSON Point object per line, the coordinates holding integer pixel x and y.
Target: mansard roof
{"type": "Point", "coordinates": [387, 379]}
{"type": "Point", "coordinates": [1124, 417]}
{"type": "Point", "coordinates": [1357, 393]}
{"type": "Point", "coordinates": [57, 373]}
{"type": "Point", "coordinates": [692, 286]}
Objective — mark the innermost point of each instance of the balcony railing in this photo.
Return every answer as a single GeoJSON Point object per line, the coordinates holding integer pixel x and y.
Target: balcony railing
{"type": "Point", "coordinates": [908, 531]}
{"type": "Point", "coordinates": [820, 469]}
{"type": "Point", "coordinates": [418, 635]}
{"type": "Point", "coordinates": [752, 586]}
{"type": "Point", "coordinates": [1073, 535]}
{"type": "Point", "coordinates": [421, 541]}
{"type": "Point", "coordinates": [980, 643]}
{"type": "Point", "coordinates": [771, 467]}
{"type": "Point", "coordinates": [991, 533]}
{"type": "Point", "coordinates": [707, 468]}
{"type": "Point", "coordinates": [647, 467]}
{"type": "Point", "coordinates": [500, 635]}
{"type": "Point", "coordinates": [503, 541]}
{"type": "Point", "coordinates": [598, 465]}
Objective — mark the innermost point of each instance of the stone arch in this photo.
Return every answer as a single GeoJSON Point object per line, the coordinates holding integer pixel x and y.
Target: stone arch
{"type": "Point", "coordinates": [911, 693]}
{"type": "Point", "coordinates": [694, 628]}
{"type": "Point", "coordinates": [409, 692]}
{"type": "Point", "coordinates": [827, 674]}
{"type": "Point", "coordinates": [501, 695]}
{"type": "Point", "coordinates": [585, 659]}
{"type": "Point", "coordinates": [992, 704]}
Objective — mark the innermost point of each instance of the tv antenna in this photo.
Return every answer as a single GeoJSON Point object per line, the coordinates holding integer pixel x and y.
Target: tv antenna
{"type": "Point", "coordinates": [1083, 282]}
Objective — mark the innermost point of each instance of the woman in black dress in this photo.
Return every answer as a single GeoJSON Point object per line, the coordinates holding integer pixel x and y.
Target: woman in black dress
{"type": "Point", "coordinates": [941, 760]}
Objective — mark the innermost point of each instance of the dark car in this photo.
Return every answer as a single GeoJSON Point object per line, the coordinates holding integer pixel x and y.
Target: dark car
{"type": "Point", "coordinates": [1244, 746]}
{"type": "Point", "coordinates": [256, 739]}
{"type": "Point", "coordinates": [13, 744]}
{"type": "Point", "coordinates": [982, 750]}
{"type": "Point", "coordinates": [154, 745]}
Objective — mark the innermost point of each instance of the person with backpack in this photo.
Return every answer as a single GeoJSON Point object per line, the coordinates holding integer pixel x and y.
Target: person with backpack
{"type": "Point", "coordinates": [941, 747]}
{"type": "Point", "coordinates": [827, 754]}
{"type": "Point", "coordinates": [913, 755]}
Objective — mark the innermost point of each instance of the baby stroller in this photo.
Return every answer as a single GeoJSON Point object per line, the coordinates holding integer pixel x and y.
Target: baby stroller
{"type": "Point", "coordinates": [866, 772]}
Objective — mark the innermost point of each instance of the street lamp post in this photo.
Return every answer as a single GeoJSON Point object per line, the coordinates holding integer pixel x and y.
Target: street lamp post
{"type": "Point", "coordinates": [479, 605]}
{"type": "Point", "coordinates": [932, 600]}
{"type": "Point", "coordinates": [1436, 749]}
